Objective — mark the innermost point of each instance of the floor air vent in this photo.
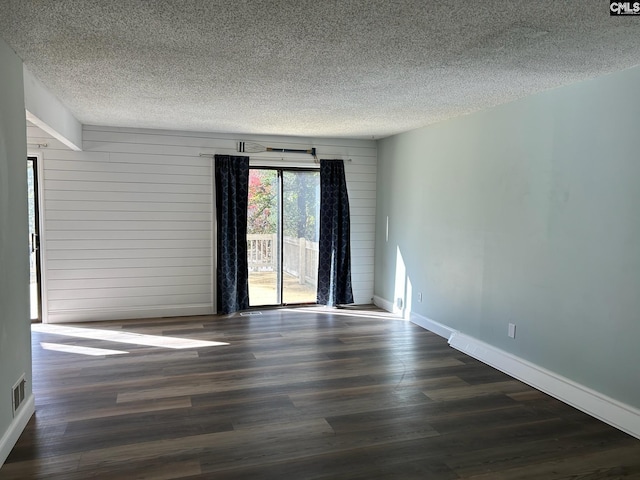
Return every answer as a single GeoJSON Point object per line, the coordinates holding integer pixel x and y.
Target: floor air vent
{"type": "Point", "coordinates": [247, 314]}
{"type": "Point", "coordinates": [17, 393]}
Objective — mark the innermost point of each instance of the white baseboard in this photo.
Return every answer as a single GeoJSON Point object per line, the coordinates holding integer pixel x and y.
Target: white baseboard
{"type": "Point", "coordinates": [421, 321]}
{"type": "Point", "coordinates": [432, 325]}
{"type": "Point", "coordinates": [97, 315]}
{"type": "Point", "coordinates": [383, 304]}
{"type": "Point", "coordinates": [617, 414]}
{"type": "Point", "coordinates": [623, 417]}
{"type": "Point", "coordinates": [10, 437]}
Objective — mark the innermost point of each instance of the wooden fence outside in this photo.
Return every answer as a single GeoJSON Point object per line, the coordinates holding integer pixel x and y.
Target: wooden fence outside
{"type": "Point", "coordinates": [300, 257]}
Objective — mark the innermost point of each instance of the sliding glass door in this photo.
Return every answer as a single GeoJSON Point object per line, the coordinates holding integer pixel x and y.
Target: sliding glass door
{"type": "Point", "coordinates": [34, 240]}
{"type": "Point", "coordinates": [282, 235]}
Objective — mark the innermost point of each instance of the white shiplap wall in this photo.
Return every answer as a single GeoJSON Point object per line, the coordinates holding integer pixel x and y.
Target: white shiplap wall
{"type": "Point", "coordinates": [128, 221]}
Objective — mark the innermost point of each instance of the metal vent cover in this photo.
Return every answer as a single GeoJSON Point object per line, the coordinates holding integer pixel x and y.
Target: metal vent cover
{"type": "Point", "coordinates": [17, 394]}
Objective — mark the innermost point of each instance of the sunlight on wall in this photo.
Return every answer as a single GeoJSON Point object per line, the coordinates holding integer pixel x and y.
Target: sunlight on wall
{"type": "Point", "coordinates": [403, 288]}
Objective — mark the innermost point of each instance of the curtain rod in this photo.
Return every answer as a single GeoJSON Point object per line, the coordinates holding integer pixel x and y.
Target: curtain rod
{"type": "Point", "coordinates": [252, 147]}
{"type": "Point", "coordinates": [272, 159]}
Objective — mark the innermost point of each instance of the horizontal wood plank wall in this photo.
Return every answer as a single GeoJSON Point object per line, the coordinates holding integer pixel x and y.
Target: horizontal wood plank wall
{"type": "Point", "coordinates": [129, 220]}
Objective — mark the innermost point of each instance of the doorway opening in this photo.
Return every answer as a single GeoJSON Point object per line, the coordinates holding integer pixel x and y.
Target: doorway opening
{"type": "Point", "coordinates": [282, 235]}
{"type": "Point", "coordinates": [35, 282]}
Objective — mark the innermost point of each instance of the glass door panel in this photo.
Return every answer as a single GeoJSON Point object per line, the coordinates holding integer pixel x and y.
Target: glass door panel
{"type": "Point", "coordinates": [263, 237]}
{"type": "Point", "coordinates": [300, 213]}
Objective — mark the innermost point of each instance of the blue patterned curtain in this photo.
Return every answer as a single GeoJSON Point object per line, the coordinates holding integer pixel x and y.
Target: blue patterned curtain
{"type": "Point", "coordinates": [334, 255]}
{"type": "Point", "coordinates": [232, 197]}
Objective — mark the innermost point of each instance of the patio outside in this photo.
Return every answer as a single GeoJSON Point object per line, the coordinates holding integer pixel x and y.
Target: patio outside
{"type": "Point", "coordinates": [299, 270]}
{"type": "Point", "coordinates": [262, 289]}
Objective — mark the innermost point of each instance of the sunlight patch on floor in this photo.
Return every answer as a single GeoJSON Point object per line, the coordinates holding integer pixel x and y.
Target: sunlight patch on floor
{"type": "Point", "coordinates": [347, 312]}
{"type": "Point", "coordinates": [124, 337]}
{"type": "Point", "coordinates": [94, 352]}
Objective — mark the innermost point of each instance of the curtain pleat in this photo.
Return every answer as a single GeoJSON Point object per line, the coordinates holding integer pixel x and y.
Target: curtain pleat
{"type": "Point", "coordinates": [334, 249]}
{"type": "Point", "coordinates": [232, 196]}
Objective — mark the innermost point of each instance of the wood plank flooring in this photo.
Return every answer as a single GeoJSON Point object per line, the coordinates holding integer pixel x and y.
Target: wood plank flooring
{"type": "Point", "coordinates": [303, 393]}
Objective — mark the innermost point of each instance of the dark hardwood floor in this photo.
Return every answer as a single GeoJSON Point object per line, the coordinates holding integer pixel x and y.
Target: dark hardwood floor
{"type": "Point", "coordinates": [297, 394]}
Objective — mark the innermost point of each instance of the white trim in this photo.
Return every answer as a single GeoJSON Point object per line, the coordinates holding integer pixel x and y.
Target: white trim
{"type": "Point", "coordinates": [98, 315]}
{"type": "Point", "coordinates": [51, 131]}
{"type": "Point", "coordinates": [617, 414]}
{"type": "Point", "coordinates": [383, 304]}
{"type": "Point", "coordinates": [432, 325]}
{"type": "Point", "coordinates": [620, 415]}
{"type": "Point", "coordinates": [10, 437]}
{"type": "Point", "coordinates": [45, 111]}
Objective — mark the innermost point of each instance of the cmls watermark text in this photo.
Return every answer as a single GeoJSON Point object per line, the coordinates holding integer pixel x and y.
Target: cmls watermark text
{"type": "Point", "coordinates": [624, 8]}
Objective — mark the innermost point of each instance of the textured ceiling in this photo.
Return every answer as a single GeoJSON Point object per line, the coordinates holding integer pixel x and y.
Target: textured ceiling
{"type": "Point", "coordinates": [352, 68]}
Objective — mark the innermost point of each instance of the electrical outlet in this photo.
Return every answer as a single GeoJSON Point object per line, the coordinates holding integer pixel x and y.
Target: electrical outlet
{"type": "Point", "coordinates": [419, 296]}
{"type": "Point", "coordinates": [512, 330]}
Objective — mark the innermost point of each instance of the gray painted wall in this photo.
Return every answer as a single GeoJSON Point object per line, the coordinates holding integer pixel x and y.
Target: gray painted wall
{"type": "Point", "coordinates": [526, 213]}
{"type": "Point", "coordinates": [15, 332]}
